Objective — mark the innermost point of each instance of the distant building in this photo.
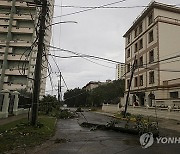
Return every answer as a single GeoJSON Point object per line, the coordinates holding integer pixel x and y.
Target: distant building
{"type": "Point", "coordinates": [120, 71]}
{"type": "Point", "coordinates": [94, 84]}
{"type": "Point", "coordinates": [91, 85]}
{"type": "Point", "coordinates": [18, 49]}
{"type": "Point", "coordinates": [153, 38]}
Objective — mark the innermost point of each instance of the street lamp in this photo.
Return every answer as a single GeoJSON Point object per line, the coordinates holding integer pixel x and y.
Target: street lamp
{"type": "Point", "coordinates": [61, 22]}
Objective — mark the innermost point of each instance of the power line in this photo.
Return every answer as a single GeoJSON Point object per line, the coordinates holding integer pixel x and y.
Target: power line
{"type": "Point", "coordinates": [113, 61]}
{"type": "Point", "coordinates": [81, 55]}
{"type": "Point", "coordinates": [85, 10]}
{"type": "Point", "coordinates": [99, 7]}
{"type": "Point", "coordinates": [60, 72]}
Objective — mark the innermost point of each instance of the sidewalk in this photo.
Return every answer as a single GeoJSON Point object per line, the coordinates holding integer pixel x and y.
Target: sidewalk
{"type": "Point", "coordinates": [175, 115]}
{"type": "Point", "coordinates": [12, 118]}
{"type": "Point", "coordinates": [167, 126]}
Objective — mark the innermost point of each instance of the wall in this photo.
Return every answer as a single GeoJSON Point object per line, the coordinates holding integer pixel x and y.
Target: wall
{"type": "Point", "coordinates": [110, 107]}
{"type": "Point", "coordinates": [169, 45]}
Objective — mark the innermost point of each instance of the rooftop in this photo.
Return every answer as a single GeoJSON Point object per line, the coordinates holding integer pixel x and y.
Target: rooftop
{"type": "Point", "coordinates": [152, 5]}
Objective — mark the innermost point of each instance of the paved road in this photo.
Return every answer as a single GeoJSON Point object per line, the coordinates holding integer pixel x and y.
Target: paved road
{"type": "Point", "coordinates": [83, 141]}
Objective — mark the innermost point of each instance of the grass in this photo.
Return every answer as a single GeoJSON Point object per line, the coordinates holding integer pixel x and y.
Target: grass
{"type": "Point", "coordinates": [19, 134]}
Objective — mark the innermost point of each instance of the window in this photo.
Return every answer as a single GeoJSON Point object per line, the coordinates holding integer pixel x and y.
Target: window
{"type": "Point", "coordinates": [135, 82]}
{"type": "Point", "coordinates": [174, 94]}
{"type": "Point", "coordinates": [140, 44]}
{"type": "Point", "coordinates": [151, 37]}
{"type": "Point", "coordinates": [136, 47]}
{"type": "Point", "coordinates": [128, 39]}
{"type": "Point", "coordinates": [151, 56]}
{"type": "Point", "coordinates": [141, 61]}
{"type": "Point", "coordinates": [128, 83]}
{"type": "Point", "coordinates": [151, 77]}
{"type": "Point", "coordinates": [150, 19]}
{"type": "Point", "coordinates": [136, 64]}
{"type": "Point", "coordinates": [135, 32]}
{"type": "Point", "coordinates": [140, 28]}
{"type": "Point", "coordinates": [128, 68]}
{"type": "Point", "coordinates": [128, 53]}
{"type": "Point", "coordinates": [141, 80]}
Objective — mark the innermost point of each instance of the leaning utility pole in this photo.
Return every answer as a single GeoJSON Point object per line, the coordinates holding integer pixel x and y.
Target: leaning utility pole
{"type": "Point", "coordinates": [59, 89]}
{"type": "Point", "coordinates": [37, 76]}
{"type": "Point", "coordinates": [129, 86]}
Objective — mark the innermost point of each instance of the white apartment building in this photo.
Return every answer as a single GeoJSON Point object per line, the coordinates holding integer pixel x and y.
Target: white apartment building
{"type": "Point", "coordinates": [18, 49]}
{"type": "Point", "coordinates": [154, 39]}
{"type": "Point", "coordinates": [120, 71]}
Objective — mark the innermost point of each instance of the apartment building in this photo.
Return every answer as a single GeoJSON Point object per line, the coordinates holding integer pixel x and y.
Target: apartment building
{"type": "Point", "coordinates": [18, 44]}
{"type": "Point", "coordinates": [152, 43]}
{"type": "Point", "coordinates": [120, 71]}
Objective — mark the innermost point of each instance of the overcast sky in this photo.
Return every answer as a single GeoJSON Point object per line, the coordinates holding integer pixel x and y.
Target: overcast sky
{"type": "Point", "coordinates": [98, 32]}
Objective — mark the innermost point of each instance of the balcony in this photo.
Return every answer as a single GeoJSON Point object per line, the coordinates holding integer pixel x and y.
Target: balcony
{"type": "Point", "coordinates": [3, 29]}
{"type": "Point", "coordinates": [24, 4]}
{"type": "Point", "coordinates": [13, 86]}
{"type": "Point", "coordinates": [22, 30]}
{"type": "Point", "coordinates": [17, 43]}
{"type": "Point", "coordinates": [4, 16]}
{"type": "Point", "coordinates": [6, 22]}
{"type": "Point", "coordinates": [2, 50]}
{"type": "Point", "coordinates": [1, 56]}
{"type": "Point", "coordinates": [22, 17]}
{"type": "Point", "coordinates": [20, 43]}
{"type": "Point", "coordinates": [16, 72]}
{"type": "Point", "coordinates": [5, 3]}
{"type": "Point", "coordinates": [18, 57]}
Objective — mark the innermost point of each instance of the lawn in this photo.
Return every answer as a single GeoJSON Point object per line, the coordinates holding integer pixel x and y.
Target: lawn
{"type": "Point", "coordinates": [19, 134]}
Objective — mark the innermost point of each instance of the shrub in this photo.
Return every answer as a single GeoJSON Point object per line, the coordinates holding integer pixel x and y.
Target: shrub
{"type": "Point", "coordinates": [79, 109]}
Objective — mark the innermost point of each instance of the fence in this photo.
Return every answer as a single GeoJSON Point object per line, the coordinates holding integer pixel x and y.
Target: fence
{"type": "Point", "coordinates": [13, 104]}
{"type": "Point", "coordinates": [24, 102]}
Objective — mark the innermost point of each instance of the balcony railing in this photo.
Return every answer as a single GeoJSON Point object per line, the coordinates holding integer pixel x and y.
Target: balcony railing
{"type": "Point", "coordinates": [13, 86]}
{"type": "Point", "coordinates": [22, 17]}
{"type": "Point", "coordinates": [16, 72]}
{"type": "Point", "coordinates": [18, 57]}
{"type": "Point", "coordinates": [5, 3]}
{"type": "Point", "coordinates": [22, 30]}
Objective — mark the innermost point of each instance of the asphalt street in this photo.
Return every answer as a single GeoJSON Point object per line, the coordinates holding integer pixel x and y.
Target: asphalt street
{"type": "Point", "coordinates": [73, 139]}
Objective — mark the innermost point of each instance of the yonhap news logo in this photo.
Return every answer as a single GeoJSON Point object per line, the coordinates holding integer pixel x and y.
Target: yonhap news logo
{"type": "Point", "coordinates": [147, 140]}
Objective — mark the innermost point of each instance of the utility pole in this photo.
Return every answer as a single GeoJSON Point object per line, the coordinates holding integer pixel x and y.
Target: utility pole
{"type": "Point", "coordinates": [59, 89]}
{"type": "Point", "coordinates": [37, 76]}
{"type": "Point", "coordinates": [129, 86]}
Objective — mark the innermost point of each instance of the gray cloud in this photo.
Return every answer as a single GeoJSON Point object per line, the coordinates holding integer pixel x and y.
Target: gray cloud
{"type": "Point", "coordinates": [98, 32]}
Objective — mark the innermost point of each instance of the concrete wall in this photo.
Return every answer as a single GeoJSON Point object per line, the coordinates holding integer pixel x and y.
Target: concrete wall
{"type": "Point", "coordinates": [169, 45]}
{"type": "Point", "coordinates": [110, 107]}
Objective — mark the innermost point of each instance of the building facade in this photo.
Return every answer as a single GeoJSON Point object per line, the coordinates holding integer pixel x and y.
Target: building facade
{"type": "Point", "coordinates": [18, 44]}
{"type": "Point", "coordinates": [153, 46]}
{"type": "Point", "coordinates": [120, 71]}
{"type": "Point", "coordinates": [92, 85]}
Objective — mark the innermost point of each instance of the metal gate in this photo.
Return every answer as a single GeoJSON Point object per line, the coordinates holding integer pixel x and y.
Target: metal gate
{"type": "Point", "coordinates": [1, 101]}
{"type": "Point", "coordinates": [11, 103]}
{"type": "Point", "coordinates": [24, 102]}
